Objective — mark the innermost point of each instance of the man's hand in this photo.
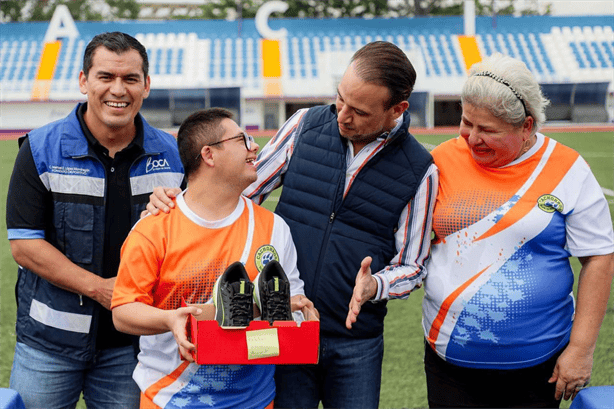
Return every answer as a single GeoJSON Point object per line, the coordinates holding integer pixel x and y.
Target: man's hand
{"type": "Point", "coordinates": [177, 320]}
{"type": "Point", "coordinates": [364, 290]}
{"type": "Point", "coordinates": [161, 199]}
{"type": "Point", "coordinates": [104, 292]}
{"type": "Point", "coordinates": [301, 303]}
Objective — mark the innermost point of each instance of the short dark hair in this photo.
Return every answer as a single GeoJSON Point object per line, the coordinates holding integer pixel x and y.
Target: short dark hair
{"type": "Point", "coordinates": [118, 43]}
{"type": "Point", "coordinates": [383, 63]}
{"type": "Point", "coordinates": [199, 129]}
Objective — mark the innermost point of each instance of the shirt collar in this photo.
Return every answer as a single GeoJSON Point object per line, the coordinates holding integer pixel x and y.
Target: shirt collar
{"type": "Point", "coordinates": [398, 121]}
{"type": "Point", "coordinates": [96, 145]}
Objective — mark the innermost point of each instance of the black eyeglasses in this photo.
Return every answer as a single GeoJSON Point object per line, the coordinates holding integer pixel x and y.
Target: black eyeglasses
{"type": "Point", "coordinates": [248, 140]}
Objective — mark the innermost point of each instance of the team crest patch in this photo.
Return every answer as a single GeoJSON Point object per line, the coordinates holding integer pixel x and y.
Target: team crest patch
{"type": "Point", "coordinates": [550, 203]}
{"type": "Point", "coordinates": [265, 254]}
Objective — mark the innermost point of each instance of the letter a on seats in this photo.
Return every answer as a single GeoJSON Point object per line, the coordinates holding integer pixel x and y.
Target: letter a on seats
{"type": "Point", "coordinates": [61, 25]}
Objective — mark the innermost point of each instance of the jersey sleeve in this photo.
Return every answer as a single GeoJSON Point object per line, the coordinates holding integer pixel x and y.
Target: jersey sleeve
{"type": "Point", "coordinates": [139, 270]}
{"type": "Point", "coordinates": [589, 226]}
{"type": "Point", "coordinates": [406, 270]}
{"type": "Point", "coordinates": [29, 202]}
{"type": "Point", "coordinates": [282, 240]}
{"type": "Point", "coordinates": [272, 162]}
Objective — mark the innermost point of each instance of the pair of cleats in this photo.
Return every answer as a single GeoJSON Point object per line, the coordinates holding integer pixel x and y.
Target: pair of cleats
{"type": "Point", "coordinates": [234, 295]}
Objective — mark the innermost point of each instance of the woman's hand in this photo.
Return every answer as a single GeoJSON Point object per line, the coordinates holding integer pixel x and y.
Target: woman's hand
{"type": "Point", "coordinates": [572, 372]}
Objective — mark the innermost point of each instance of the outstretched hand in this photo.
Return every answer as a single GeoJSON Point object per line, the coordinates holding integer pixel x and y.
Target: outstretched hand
{"type": "Point", "coordinates": [364, 290]}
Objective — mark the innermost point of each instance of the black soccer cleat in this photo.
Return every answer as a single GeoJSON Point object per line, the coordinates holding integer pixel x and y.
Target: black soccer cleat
{"type": "Point", "coordinates": [272, 293]}
{"type": "Point", "coordinates": [233, 297]}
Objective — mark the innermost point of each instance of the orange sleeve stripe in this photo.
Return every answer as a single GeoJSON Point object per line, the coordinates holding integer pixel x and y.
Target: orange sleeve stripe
{"type": "Point", "coordinates": [153, 390]}
{"type": "Point", "coordinates": [273, 174]}
{"type": "Point", "coordinates": [429, 187]}
{"type": "Point", "coordinates": [425, 232]}
{"type": "Point", "coordinates": [264, 182]}
{"type": "Point", "coordinates": [407, 224]}
{"type": "Point", "coordinates": [403, 277]}
{"type": "Point", "coordinates": [291, 130]}
{"type": "Point", "coordinates": [445, 307]}
{"type": "Point", "coordinates": [554, 171]}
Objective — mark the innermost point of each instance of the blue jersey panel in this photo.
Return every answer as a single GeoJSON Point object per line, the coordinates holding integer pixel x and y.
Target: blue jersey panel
{"type": "Point", "coordinates": [227, 386]}
{"type": "Point", "coordinates": [511, 318]}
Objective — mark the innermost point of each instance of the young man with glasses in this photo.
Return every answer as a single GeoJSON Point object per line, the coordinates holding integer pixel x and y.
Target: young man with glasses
{"type": "Point", "coordinates": [247, 139]}
{"type": "Point", "coordinates": [181, 254]}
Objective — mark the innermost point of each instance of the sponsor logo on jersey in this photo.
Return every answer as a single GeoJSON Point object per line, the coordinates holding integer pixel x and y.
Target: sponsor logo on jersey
{"type": "Point", "coordinates": [265, 254]}
{"type": "Point", "coordinates": [156, 164]}
{"type": "Point", "coordinates": [550, 203]}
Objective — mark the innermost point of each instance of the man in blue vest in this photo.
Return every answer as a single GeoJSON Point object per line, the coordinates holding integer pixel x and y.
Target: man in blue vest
{"type": "Point", "coordinates": [78, 186]}
{"type": "Point", "coordinates": [358, 195]}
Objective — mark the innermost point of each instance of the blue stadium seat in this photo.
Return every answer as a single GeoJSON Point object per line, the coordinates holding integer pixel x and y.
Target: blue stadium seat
{"type": "Point", "coordinates": [608, 51]}
{"type": "Point", "coordinates": [600, 57]}
{"type": "Point", "coordinates": [576, 52]}
{"type": "Point", "coordinates": [223, 55]}
{"type": "Point", "coordinates": [587, 54]}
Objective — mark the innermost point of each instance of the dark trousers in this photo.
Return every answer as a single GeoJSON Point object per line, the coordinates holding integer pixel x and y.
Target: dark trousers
{"type": "Point", "coordinates": [453, 386]}
{"type": "Point", "coordinates": [347, 376]}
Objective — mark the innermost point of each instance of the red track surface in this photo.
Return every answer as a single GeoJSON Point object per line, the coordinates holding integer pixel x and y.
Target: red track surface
{"type": "Point", "coordinates": [7, 134]}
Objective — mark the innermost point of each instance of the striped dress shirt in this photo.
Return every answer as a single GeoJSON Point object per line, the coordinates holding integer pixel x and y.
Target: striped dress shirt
{"type": "Point", "coordinates": [405, 271]}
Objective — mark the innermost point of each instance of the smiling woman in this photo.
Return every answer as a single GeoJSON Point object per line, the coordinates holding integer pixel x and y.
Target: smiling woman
{"type": "Point", "coordinates": [492, 141]}
{"type": "Point", "coordinates": [513, 205]}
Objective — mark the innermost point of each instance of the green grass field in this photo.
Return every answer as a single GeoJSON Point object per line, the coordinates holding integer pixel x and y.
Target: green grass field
{"type": "Point", "coordinates": [403, 384]}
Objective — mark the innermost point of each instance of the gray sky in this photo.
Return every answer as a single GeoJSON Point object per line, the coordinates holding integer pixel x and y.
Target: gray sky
{"type": "Point", "coordinates": [559, 7]}
{"type": "Point", "coordinates": [580, 7]}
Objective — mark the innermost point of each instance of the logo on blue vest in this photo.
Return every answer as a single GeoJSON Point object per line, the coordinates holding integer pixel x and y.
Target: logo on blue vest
{"type": "Point", "coordinates": [156, 164]}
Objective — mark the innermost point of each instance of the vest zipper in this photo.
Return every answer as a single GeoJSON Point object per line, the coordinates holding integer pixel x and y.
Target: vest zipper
{"type": "Point", "coordinates": [325, 238]}
{"type": "Point", "coordinates": [80, 300]}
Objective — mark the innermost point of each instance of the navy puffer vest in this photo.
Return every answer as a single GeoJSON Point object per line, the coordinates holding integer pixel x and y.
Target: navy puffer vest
{"type": "Point", "coordinates": [333, 234]}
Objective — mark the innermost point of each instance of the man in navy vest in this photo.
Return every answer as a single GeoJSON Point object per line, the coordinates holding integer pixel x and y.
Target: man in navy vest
{"type": "Point", "coordinates": [78, 186]}
{"type": "Point", "coordinates": [358, 195]}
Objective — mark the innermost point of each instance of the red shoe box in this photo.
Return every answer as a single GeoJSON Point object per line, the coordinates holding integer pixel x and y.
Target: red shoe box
{"type": "Point", "coordinates": [287, 342]}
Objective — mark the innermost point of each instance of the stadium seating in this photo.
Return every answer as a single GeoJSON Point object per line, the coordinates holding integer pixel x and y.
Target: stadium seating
{"type": "Point", "coordinates": [193, 54]}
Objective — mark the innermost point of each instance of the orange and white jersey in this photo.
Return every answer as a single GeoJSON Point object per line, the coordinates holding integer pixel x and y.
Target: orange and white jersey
{"type": "Point", "coordinates": [498, 291]}
{"type": "Point", "coordinates": [178, 256]}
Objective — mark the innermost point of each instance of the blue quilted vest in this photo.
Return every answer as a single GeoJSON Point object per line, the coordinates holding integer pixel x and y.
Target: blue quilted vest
{"type": "Point", "coordinates": [50, 318]}
{"type": "Point", "coordinates": [333, 234]}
